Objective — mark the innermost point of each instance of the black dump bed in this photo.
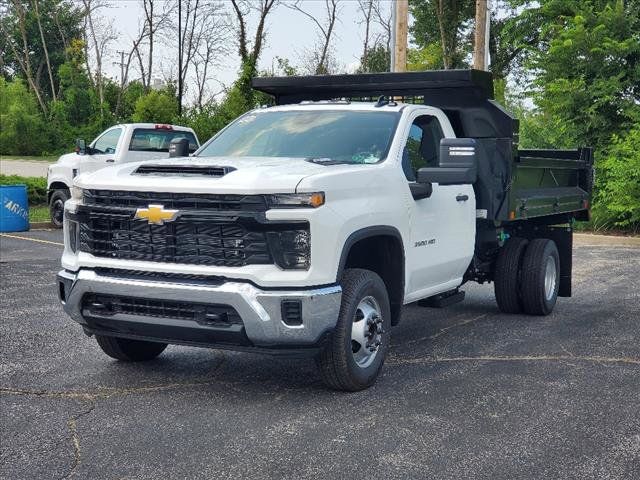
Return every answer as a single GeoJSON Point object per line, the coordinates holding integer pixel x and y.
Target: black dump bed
{"type": "Point", "coordinates": [512, 184]}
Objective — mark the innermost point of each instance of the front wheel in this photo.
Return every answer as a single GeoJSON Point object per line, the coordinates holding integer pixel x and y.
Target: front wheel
{"type": "Point", "coordinates": [130, 350]}
{"type": "Point", "coordinates": [56, 206]}
{"type": "Point", "coordinates": [353, 358]}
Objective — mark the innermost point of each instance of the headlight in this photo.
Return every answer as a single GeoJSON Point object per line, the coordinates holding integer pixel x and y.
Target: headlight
{"type": "Point", "coordinates": [291, 249]}
{"type": "Point", "coordinates": [72, 234]}
{"type": "Point", "coordinates": [296, 200]}
{"type": "Point", "coordinates": [76, 192]}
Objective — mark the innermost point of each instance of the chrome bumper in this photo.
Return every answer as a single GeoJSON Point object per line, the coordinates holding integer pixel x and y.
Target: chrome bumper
{"type": "Point", "coordinates": [260, 310]}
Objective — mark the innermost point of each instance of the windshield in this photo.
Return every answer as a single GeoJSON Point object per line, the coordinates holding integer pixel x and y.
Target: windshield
{"type": "Point", "coordinates": [323, 135]}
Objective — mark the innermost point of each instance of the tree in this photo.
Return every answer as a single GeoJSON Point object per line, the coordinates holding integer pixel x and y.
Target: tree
{"type": "Point", "coordinates": [156, 107]}
{"type": "Point", "coordinates": [33, 38]}
{"type": "Point", "coordinates": [241, 96]}
{"type": "Point", "coordinates": [99, 35]}
{"type": "Point", "coordinates": [21, 120]}
{"type": "Point", "coordinates": [376, 53]}
{"type": "Point", "coordinates": [588, 67]}
{"type": "Point", "coordinates": [443, 22]}
{"type": "Point", "coordinates": [618, 198]}
{"type": "Point", "coordinates": [377, 59]}
{"type": "Point", "coordinates": [318, 58]}
{"type": "Point", "coordinates": [205, 34]}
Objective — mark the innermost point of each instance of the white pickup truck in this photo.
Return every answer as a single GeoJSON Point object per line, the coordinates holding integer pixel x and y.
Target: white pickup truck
{"type": "Point", "coordinates": [304, 228]}
{"type": "Point", "coordinates": [122, 143]}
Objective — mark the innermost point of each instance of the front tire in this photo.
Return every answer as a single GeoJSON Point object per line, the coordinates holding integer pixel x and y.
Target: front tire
{"type": "Point", "coordinates": [130, 350]}
{"type": "Point", "coordinates": [354, 356]}
{"type": "Point", "coordinates": [540, 277]}
{"type": "Point", "coordinates": [56, 206]}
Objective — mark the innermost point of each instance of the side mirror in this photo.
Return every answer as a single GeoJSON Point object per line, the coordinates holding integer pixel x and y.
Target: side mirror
{"type": "Point", "coordinates": [420, 190]}
{"type": "Point", "coordinates": [457, 163]}
{"type": "Point", "coordinates": [81, 146]}
{"type": "Point", "coordinates": [179, 147]}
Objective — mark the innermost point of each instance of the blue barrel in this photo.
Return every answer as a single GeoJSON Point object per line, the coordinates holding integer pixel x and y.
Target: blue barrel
{"type": "Point", "coordinates": [14, 212]}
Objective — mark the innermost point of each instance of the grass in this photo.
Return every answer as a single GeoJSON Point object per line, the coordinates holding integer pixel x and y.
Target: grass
{"type": "Point", "coordinates": [39, 213]}
{"type": "Point", "coordinates": [43, 158]}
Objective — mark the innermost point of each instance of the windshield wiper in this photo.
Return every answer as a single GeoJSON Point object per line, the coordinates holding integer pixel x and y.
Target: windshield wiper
{"type": "Point", "coordinates": [327, 161]}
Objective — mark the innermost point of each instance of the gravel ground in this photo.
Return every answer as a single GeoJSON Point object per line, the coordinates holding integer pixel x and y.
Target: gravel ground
{"type": "Point", "coordinates": [467, 392]}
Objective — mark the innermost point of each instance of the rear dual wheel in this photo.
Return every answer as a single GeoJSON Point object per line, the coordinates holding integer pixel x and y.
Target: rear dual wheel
{"type": "Point", "coordinates": [527, 276]}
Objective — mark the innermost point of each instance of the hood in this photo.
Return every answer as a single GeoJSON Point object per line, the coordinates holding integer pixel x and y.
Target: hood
{"type": "Point", "coordinates": [245, 175]}
{"type": "Point", "coordinates": [68, 159]}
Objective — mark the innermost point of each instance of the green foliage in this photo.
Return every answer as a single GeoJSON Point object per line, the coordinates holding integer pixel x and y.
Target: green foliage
{"type": "Point", "coordinates": [155, 107]}
{"type": "Point", "coordinates": [20, 119]}
{"type": "Point", "coordinates": [57, 18]}
{"type": "Point", "coordinates": [444, 23]}
{"type": "Point", "coordinates": [618, 198]}
{"type": "Point", "coordinates": [36, 187]}
{"type": "Point", "coordinates": [377, 59]}
{"type": "Point", "coordinates": [588, 68]}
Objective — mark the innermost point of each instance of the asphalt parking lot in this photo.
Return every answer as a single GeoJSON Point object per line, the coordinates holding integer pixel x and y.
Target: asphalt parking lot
{"type": "Point", "coordinates": [467, 392]}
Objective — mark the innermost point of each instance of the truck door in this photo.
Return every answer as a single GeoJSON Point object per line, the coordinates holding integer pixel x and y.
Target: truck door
{"type": "Point", "coordinates": [443, 225]}
{"type": "Point", "coordinates": [104, 149]}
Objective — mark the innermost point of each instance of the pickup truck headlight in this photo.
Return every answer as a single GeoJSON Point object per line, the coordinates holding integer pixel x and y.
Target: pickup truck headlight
{"type": "Point", "coordinates": [296, 200]}
{"type": "Point", "coordinates": [291, 249]}
{"type": "Point", "coordinates": [76, 192]}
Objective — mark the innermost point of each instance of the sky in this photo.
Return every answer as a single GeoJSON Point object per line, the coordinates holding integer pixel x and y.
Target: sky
{"type": "Point", "coordinates": [289, 33]}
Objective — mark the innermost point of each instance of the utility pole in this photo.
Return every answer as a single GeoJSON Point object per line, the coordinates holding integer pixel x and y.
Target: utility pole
{"type": "Point", "coordinates": [121, 64]}
{"type": "Point", "coordinates": [400, 27]}
{"type": "Point", "coordinates": [179, 57]}
{"type": "Point", "coordinates": [480, 42]}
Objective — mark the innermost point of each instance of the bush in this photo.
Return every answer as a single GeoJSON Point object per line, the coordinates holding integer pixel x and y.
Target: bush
{"type": "Point", "coordinates": [22, 123]}
{"type": "Point", "coordinates": [155, 107]}
{"type": "Point", "coordinates": [36, 187]}
{"type": "Point", "coordinates": [617, 201]}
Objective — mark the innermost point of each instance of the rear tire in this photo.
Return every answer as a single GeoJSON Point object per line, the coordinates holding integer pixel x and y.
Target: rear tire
{"type": "Point", "coordinates": [56, 206]}
{"type": "Point", "coordinates": [507, 275]}
{"type": "Point", "coordinates": [129, 350]}
{"type": "Point", "coordinates": [540, 277]}
{"type": "Point", "coordinates": [354, 355]}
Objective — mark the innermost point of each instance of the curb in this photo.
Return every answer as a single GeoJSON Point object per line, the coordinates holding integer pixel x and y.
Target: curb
{"type": "Point", "coordinates": [591, 239]}
{"type": "Point", "coordinates": [41, 226]}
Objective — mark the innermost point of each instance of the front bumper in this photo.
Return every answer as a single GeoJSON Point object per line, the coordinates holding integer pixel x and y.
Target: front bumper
{"type": "Point", "coordinates": [260, 311]}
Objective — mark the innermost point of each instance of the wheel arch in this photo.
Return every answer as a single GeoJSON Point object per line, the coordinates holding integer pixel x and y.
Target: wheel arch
{"type": "Point", "coordinates": [57, 185]}
{"type": "Point", "coordinates": [387, 242]}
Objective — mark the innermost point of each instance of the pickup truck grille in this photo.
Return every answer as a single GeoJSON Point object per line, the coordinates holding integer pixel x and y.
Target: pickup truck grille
{"type": "Point", "coordinates": [121, 198]}
{"type": "Point", "coordinates": [186, 240]}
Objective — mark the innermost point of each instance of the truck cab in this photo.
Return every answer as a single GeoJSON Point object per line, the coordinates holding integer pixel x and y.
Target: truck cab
{"type": "Point", "coordinates": [116, 145]}
{"type": "Point", "coordinates": [303, 228]}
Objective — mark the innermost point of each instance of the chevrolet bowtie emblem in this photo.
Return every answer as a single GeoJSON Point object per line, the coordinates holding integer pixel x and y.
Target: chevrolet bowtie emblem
{"type": "Point", "coordinates": [156, 214]}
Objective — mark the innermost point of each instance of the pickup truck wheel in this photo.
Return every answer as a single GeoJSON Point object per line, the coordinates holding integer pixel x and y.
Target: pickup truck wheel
{"type": "Point", "coordinates": [353, 357]}
{"type": "Point", "coordinates": [130, 350]}
{"type": "Point", "coordinates": [507, 275]}
{"type": "Point", "coordinates": [540, 277]}
{"type": "Point", "coordinates": [56, 206]}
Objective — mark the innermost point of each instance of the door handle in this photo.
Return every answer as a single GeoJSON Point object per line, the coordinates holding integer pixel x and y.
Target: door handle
{"type": "Point", "coordinates": [462, 198]}
{"type": "Point", "coordinates": [109, 160]}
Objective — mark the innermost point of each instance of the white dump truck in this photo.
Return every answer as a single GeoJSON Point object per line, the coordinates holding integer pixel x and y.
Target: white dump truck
{"type": "Point", "coordinates": [303, 228]}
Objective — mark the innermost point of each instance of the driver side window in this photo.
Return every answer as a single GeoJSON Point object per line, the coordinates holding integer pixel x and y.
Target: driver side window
{"type": "Point", "coordinates": [423, 146]}
{"type": "Point", "coordinates": [108, 141]}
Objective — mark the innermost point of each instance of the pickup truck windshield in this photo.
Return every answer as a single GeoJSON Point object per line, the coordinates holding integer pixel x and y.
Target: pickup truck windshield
{"type": "Point", "coordinates": [336, 136]}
